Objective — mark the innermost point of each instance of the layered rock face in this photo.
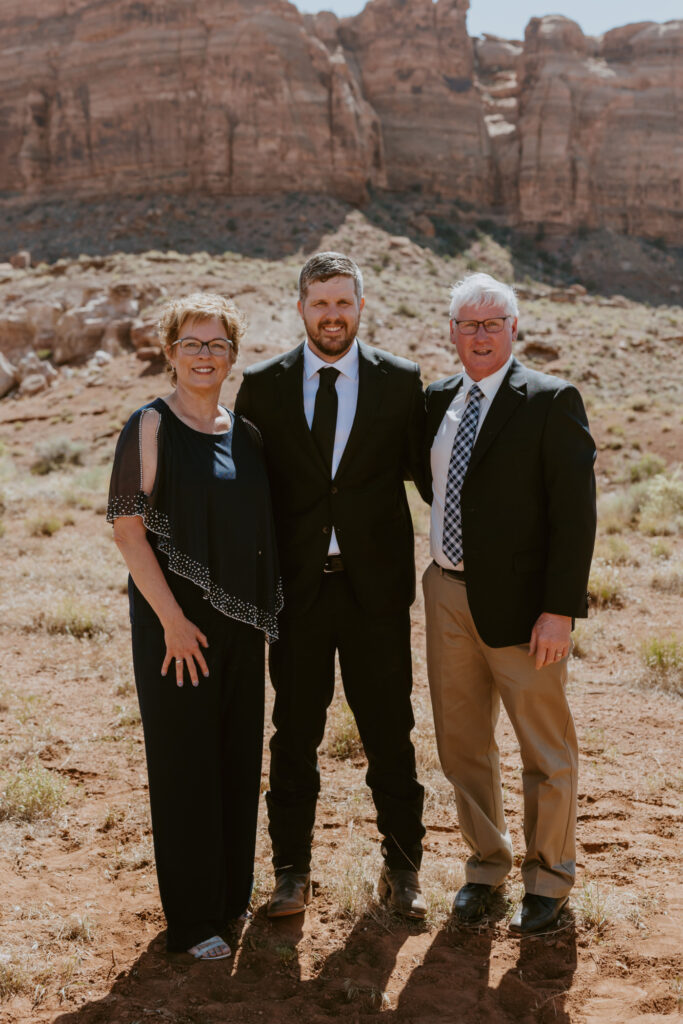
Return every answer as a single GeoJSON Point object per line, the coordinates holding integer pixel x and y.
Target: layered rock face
{"type": "Point", "coordinates": [601, 128]}
{"type": "Point", "coordinates": [220, 96]}
{"type": "Point", "coordinates": [416, 67]}
{"type": "Point", "coordinates": [245, 97]}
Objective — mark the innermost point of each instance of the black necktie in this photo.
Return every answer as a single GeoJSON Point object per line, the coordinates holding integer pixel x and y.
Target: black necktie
{"type": "Point", "coordinates": [324, 423]}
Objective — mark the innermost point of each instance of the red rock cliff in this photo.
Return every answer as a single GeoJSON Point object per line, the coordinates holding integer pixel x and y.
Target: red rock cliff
{"type": "Point", "coordinates": [251, 97]}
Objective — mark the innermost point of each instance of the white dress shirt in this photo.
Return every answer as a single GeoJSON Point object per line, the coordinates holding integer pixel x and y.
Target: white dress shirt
{"type": "Point", "coordinates": [442, 446]}
{"type": "Point", "coordinates": [346, 386]}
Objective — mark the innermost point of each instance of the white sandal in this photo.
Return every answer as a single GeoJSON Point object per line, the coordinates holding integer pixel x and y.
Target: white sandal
{"type": "Point", "coordinates": [205, 950]}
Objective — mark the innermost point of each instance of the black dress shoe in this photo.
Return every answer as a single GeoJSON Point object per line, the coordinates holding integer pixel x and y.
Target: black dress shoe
{"type": "Point", "coordinates": [473, 901]}
{"type": "Point", "coordinates": [291, 895]}
{"type": "Point", "coordinates": [536, 913]}
{"type": "Point", "coordinates": [400, 888]}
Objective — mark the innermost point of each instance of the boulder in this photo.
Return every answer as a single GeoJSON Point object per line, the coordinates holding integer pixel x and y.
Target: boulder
{"type": "Point", "coordinates": [16, 332]}
{"type": "Point", "coordinates": [31, 365]}
{"type": "Point", "coordinates": [79, 331]}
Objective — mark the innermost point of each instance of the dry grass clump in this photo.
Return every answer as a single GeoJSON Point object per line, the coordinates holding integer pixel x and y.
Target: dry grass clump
{"type": "Point", "coordinates": [71, 618]}
{"type": "Point", "coordinates": [133, 857]}
{"type": "Point", "coordinates": [663, 660]}
{"type": "Point", "coordinates": [44, 525]}
{"type": "Point", "coordinates": [368, 996]}
{"type": "Point", "coordinates": [617, 510]}
{"type": "Point", "coordinates": [343, 739]}
{"type": "Point", "coordinates": [614, 550]}
{"type": "Point", "coordinates": [584, 637]}
{"type": "Point", "coordinates": [654, 506]}
{"type": "Point", "coordinates": [31, 794]}
{"type": "Point", "coordinates": [351, 875]}
{"type": "Point", "coordinates": [56, 454]}
{"type": "Point", "coordinates": [77, 928]}
{"type": "Point", "coordinates": [440, 881]}
{"type": "Point", "coordinates": [670, 582]}
{"type": "Point", "coordinates": [647, 466]}
{"type": "Point", "coordinates": [661, 548]}
{"type": "Point", "coordinates": [662, 509]}
{"type": "Point", "coordinates": [604, 586]}
{"type": "Point", "coordinates": [595, 908]}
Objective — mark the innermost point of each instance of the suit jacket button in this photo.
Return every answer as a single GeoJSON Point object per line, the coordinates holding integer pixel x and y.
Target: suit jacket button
{"type": "Point", "coordinates": [334, 490]}
{"type": "Point", "coordinates": [326, 529]}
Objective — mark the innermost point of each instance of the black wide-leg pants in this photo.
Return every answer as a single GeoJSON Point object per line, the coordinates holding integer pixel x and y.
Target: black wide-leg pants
{"type": "Point", "coordinates": [376, 670]}
{"type": "Point", "coordinates": [204, 747]}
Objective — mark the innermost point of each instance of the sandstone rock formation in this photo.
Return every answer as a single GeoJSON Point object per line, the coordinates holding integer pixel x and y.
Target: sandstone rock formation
{"type": "Point", "coordinates": [416, 68]}
{"type": "Point", "coordinates": [245, 97]}
{"type": "Point", "coordinates": [600, 128]}
{"type": "Point", "coordinates": [231, 96]}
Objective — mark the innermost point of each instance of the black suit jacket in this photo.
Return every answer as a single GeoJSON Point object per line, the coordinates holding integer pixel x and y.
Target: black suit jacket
{"type": "Point", "coordinates": [528, 503]}
{"type": "Point", "coordinates": [366, 502]}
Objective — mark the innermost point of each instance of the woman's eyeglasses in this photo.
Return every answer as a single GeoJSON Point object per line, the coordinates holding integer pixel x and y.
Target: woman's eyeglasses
{"type": "Point", "coordinates": [193, 346]}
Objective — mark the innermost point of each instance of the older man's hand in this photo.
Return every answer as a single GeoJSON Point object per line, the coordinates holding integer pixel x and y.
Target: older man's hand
{"type": "Point", "coordinates": [550, 638]}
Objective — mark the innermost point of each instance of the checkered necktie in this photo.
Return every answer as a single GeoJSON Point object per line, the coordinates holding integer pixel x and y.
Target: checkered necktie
{"type": "Point", "coordinates": [457, 467]}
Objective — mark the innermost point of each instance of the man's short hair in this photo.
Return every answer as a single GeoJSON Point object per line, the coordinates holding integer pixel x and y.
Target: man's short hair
{"type": "Point", "coordinates": [325, 265]}
{"type": "Point", "coordinates": [482, 290]}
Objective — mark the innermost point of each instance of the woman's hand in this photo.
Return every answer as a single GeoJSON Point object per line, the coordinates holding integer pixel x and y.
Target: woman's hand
{"type": "Point", "coordinates": [183, 641]}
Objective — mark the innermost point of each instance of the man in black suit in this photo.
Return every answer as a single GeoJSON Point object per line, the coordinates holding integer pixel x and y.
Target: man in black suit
{"type": "Point", "coordinates": [512, 532]}
{"type": "Point", "coordinates": [342, 426]}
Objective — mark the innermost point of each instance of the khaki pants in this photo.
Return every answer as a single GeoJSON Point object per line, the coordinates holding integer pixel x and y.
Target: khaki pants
{"type": "Point", "coordinates": [467, 680]}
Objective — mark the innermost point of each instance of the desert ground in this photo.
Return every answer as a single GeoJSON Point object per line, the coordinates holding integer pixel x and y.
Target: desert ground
{"type": "Point", "coordinates": [81, 929]}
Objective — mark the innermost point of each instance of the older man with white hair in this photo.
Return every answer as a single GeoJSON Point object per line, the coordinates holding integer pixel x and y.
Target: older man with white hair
{"type": "Point", "coordinates": [512, 533]}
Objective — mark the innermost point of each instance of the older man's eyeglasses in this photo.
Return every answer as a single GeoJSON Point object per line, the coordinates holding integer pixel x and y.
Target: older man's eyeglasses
{"type": "Point", "coordinates": [193, 346]}
{"type": "Point", "coordinates": [494, 325]}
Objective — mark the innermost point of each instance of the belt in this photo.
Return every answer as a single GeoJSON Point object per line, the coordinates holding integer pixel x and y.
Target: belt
{"type": "Point", "coordinates": [455, 574]}
{"type": "Point", "coordinates": [333, 563]}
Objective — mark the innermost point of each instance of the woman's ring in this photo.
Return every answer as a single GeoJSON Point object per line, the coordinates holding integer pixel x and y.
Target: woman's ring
{"type": "Point", "coordinates": [179, 661]}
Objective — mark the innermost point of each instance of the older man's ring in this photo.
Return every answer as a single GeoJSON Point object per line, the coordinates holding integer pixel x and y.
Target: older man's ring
{"type": "Point", "coordinates": [179, 661]}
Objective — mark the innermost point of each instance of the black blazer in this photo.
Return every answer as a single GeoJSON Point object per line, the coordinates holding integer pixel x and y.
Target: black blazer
{"type": "Point", "coordinates": [528, 503]}
{"type": "Point", "coordinates": [366, 502]}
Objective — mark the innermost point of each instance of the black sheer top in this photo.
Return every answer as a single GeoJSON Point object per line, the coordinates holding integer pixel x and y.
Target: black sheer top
{"type": "Point", "coordinates": [209, 512]}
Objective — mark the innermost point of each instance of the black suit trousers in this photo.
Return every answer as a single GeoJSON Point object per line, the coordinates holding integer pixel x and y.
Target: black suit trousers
{"type": "Point", "coordinates": [376, 670]}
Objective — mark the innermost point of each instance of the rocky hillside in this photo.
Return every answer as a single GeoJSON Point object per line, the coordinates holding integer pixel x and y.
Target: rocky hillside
{"type": "Point", "coordinates": [250, 97]}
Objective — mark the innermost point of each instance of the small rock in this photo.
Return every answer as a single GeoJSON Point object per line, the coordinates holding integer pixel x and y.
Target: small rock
{"type": "Point", "coordinates": [541, 350]}
{"type": "Point", "coordinates": [21, 260]}
{"type": "Point", "coordinates": [100, 358]}
{"type": "Point", "coordinates": [32, 384]}
{"type": "Point", "coordinates": [149, 353]}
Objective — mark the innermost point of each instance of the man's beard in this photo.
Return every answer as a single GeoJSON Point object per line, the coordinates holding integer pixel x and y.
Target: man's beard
{"type": "Point", "coordinates": [337, 345]}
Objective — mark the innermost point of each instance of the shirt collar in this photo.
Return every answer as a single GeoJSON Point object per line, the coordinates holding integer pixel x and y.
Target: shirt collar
{"type": "Point", "coordinates": [487, 385]}
{"type": "Point", "coordinates": [348, 364]}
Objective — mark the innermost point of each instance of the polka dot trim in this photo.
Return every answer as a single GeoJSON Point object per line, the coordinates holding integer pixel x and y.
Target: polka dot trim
{"type": "Point", "coordinates": [232, 607]}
